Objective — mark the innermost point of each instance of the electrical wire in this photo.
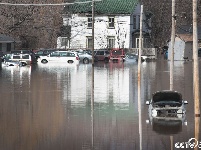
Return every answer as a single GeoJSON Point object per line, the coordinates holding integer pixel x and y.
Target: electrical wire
{"type": "Point", "coordinates": [58, 4]}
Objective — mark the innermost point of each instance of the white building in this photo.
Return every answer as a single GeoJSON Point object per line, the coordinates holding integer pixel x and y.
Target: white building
{"type": "Point", "coordinates": [116, 25]}
{"type": "Point", "coordinates": [183, 47]}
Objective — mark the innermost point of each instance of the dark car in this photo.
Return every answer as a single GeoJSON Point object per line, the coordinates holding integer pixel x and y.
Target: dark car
{"type": "Point", "coordinates": [102, 55]}
{"type": "Point", "coordinates": [44, 52]}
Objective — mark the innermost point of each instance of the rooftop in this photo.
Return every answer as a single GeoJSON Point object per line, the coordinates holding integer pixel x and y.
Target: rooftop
{"type": "Point", "coordinates": [103, 7]}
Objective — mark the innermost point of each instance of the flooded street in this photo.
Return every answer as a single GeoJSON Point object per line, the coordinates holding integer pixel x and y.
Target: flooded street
{"type": "Point", "coordinates": [46, 107]}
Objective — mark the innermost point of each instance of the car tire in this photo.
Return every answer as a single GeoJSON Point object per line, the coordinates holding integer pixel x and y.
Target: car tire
{"type": "Point", "coordinates": [23, 63]}
{"type": "Point", "coordinates": [85, 60]}
{"type": "Point", "coordinates": [44, 61]}
{"type": "Point", "coordinates": [70, 61]}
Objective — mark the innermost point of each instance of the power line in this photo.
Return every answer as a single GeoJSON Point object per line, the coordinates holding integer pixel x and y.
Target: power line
{"type": "Point", "coordinates": [58, 4]}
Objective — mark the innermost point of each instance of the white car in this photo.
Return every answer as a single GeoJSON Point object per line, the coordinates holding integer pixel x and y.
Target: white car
{"type": "Point", "coordinates": [60, 56]}
{"type": "Point", "coordinates": [166, 103]}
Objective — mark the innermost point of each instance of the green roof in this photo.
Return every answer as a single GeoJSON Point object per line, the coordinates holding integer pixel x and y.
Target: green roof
{"type": "Point", "coordinates": [103, 7]}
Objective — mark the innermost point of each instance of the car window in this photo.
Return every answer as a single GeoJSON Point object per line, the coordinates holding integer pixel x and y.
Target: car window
{"type": "Point", "coordinates": [25, 56]}
{"type": "Point", "coordinates": [63, 54]}
{"type": "Point", "coordinates": [100, 53]}
{"type": "Point", "coordinates": [55, 54]}
{"type": "Point", "coordinates": [16, 56]}
{"type": "Point", "coordinates": [106, 52]}
{"type": "Point", "coordinates": [71, 55]}
{"type": "Point", "coordinates": [39, 52]}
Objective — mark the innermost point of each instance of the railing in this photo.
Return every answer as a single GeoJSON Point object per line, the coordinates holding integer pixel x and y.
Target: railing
{"type": "Point", "coordinates": [151, 53]}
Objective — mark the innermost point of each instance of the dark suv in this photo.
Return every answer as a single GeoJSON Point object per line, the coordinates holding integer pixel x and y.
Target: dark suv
{"type": "Point", "coordinates": [102, 55]}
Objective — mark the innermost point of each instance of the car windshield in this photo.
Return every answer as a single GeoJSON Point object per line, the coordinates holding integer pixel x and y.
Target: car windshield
{"type": "Point", "coordinates": [117, 52]}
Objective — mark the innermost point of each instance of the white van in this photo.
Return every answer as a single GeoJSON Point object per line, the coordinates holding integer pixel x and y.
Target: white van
{"type": "Point", "coordinates": [60, 56]}
{"type": "Point", "coordinates": [22, 59]}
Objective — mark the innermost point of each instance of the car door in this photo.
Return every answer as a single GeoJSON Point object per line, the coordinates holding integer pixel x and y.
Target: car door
{"type": "Point", "coordinates": [54, 57]}
{"type": "Point", "coordinates": [63, 56]}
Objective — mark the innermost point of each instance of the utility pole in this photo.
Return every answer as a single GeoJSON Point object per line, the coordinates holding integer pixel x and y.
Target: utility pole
{"type": "Point", "coordinates": [195, 62]}
{"type": "Point", "coordinates": [139, 79]}
{"type": "Point", "coordinates": [92, 32]}
{"type": "Point", "coordinates": [172, 44]}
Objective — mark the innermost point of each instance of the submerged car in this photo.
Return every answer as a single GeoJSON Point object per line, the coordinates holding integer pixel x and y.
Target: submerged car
{"type": "Point", "coordinates": [60, 56]}
{"type": "Point", "coordinates": [19, 58]}
{"type": "Point", "coordinates": [102, 55]}
{"type": "Point", "coordinates": [117, 55]}
{"type": "Point", "coordinates": [166, 102]}
{"type": "Point", "coordinates": [85, 56]}
{"type": "Point", "coordinates": [167, 112]}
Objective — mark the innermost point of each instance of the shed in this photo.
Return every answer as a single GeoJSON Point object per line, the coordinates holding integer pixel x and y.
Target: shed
{"type": "Point", "coordinates": [183, 48]}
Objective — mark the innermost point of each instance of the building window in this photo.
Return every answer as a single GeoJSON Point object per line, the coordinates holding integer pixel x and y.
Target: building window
{"type": "Point", "coordinates": [134, 22]}
{"type": "Point", "coordinates": [64, 41]}
{"type": "Point", "coordinates": [138, 21]}
{"type": "Point", "coordinates": [89, 42]}
{"type": "Point", "coordinates": [8, 49]}
{"type": "Point", "coordinates": [111, 22]}
{"type": "Point", "coordinates": [89, 22]}
{"type": "Point", "coordinates": [111, 42]}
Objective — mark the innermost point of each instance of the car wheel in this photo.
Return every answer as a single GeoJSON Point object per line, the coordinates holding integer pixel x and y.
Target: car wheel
{"type": "Point", "coordinates": [70, 61]}
{"type": "Point", "coordinates": [44, 61]}
{"type": "Point", "coordinates": [23, 63]}
{"type": "Point", "coordinates": [85, 60]}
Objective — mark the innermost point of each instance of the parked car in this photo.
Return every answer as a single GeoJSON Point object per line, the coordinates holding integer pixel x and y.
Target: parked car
{"type": "Point", "coordinates": [129, 57]}
{"type": "Point", "coordinates": [166, 102]}
{"type": "Point", "coordinates": [102, 55]}
{"type": "Point", "coordinates": [18, 58]}
{"type": "Point", "coordinates": [44, 52]}
{"type": "Point", "coordinates": [60, 56]}
{"type": "Point", "coordinates": [85, 56]}
{"type": "Point", "coordinates": [117, 55]}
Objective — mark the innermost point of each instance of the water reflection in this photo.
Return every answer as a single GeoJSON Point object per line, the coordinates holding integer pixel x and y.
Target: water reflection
{"type": "Point", "coordinates": [48, 108]}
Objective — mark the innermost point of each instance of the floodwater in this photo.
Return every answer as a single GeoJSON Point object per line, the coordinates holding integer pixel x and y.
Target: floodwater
{"type": "Point", "coordinates": [49, 107]}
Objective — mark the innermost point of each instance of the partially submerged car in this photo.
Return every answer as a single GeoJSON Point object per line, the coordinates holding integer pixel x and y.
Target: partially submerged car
{"type": "Point", "coordinates": [167, 112]}
{"type": "Point", "coordinates": [85, 56]}
{"type": "Point", "coordinates": [101, 55]}
{"type": "Point", "coordinates": [60, 56]}
{"type": "Point", "coordinates": [117, 55]}
{"type": "Point", "coordinates": [14, 59]}
{"type": "Point", "coordinates": [166, 102]}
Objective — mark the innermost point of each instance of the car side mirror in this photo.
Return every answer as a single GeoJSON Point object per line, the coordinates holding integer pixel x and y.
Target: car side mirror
{"type": "Point", "coordinates": [185, 102]}
{"type": "Point", "coordinates": [147, 103]}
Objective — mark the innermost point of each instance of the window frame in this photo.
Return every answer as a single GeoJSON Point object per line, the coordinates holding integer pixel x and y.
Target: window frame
{"type": "Point", "coordinates": [89, 39]}
{"type": "Point", "coordinates": [111, 44]}
{"type": "Point", "coordinates": [89, 22]}
{"type": "Point", "coordinates": [111, 22]}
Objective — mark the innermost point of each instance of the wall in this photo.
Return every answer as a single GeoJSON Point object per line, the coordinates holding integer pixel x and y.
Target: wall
{"type": "Point", "coordinates": [79, 32]}
{"type": "Point", "coordinates": [179, 48]}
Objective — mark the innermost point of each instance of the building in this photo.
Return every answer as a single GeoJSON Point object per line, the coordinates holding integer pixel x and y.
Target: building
{"type": "Point", "coordinates": [116, 25]}
{"type": "Point", "coordinates": [183, 48]}
{"type": "Point", "coordinates": [6, 43]}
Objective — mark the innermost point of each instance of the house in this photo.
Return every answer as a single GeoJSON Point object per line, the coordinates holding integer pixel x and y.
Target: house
{"type": "Point", "coordinates": [116, 25]}
{"type": "Point", "coordinates": [6, 43]}
{"type": "Point", "coordinates": [183, 48]}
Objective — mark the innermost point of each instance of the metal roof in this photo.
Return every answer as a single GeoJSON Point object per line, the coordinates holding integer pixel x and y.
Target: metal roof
{"type": "Point", "coordinates": [103, 7]}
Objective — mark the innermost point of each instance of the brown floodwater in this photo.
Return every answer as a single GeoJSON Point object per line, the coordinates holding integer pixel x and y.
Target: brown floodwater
{"type": "Point", "coordinates": [49, 107]}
